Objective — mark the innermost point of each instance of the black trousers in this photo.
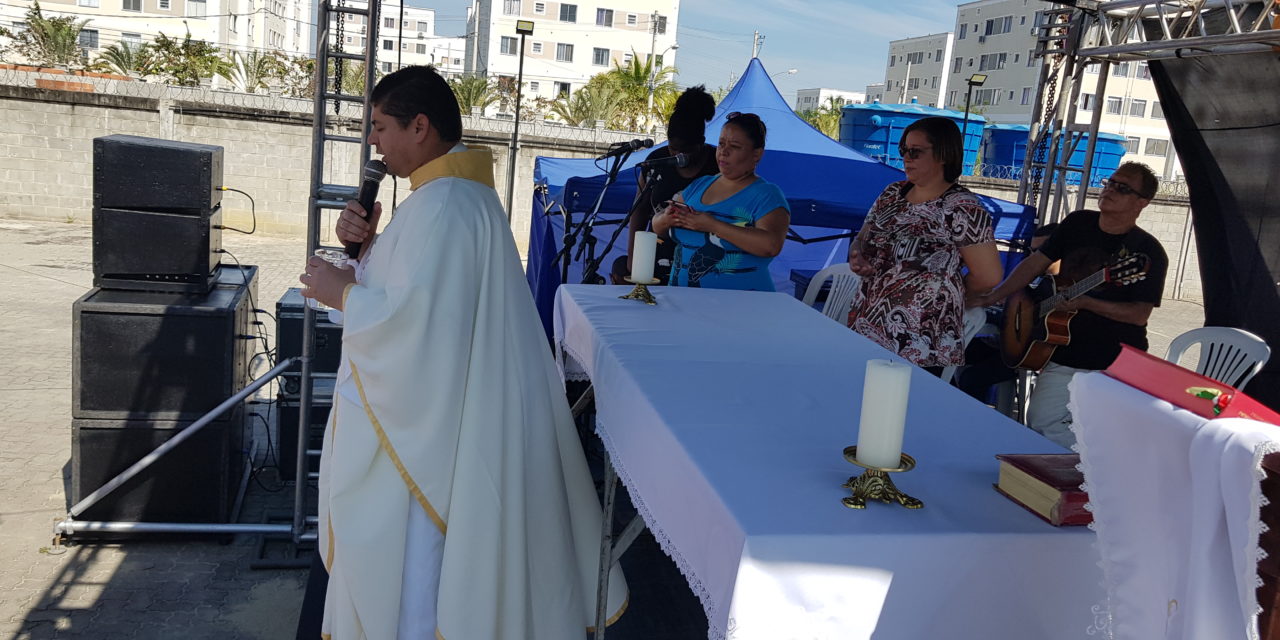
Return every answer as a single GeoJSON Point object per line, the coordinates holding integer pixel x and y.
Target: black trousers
{"type": "Point", "coordinates": [311, 618]}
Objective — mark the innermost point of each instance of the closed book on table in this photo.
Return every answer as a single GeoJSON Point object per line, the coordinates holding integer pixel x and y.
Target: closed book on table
{"type": "Point", "coordinates": [1047, 485]}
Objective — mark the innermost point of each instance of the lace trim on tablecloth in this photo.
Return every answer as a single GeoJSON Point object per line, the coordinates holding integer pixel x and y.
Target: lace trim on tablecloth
{"type": "Point", "coordinates": [570, 364]}
{"type": "Point", "coordinates": [1101, 612]}
{"type": "Point", "coordinates": [1256, 528]}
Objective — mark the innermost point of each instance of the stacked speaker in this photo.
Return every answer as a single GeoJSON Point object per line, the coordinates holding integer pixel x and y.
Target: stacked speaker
{"type": "Point", "coordinates": [326, 355]}
{"type": "Point", "coordinates": [166, 335]}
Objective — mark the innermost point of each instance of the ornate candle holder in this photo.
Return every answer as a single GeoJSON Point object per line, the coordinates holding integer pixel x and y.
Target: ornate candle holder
{"type": "Point", "coordinates": [875, 483]}
{"type": "Point", "coordinates": [641, 292]}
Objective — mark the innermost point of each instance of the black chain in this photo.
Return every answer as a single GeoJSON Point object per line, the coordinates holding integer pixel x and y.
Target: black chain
{"type": "Point", "coordinates": [339, 63]}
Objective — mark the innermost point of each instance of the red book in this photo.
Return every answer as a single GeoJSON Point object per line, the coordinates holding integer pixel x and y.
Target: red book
{"type": "Point", "coordinates": [1046, 484]}
{"type": "Point", "coordinates": [1185, 388]}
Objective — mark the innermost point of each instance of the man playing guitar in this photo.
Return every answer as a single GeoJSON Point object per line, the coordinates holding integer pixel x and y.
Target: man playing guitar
{"type": "Point", "coordinates": [1107, 316]}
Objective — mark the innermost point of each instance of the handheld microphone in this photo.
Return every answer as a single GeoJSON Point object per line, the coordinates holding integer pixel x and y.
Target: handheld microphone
{"type": "Point", "coordinates": [374, 172]}
{"type": "Point", "coordinates": [678, 161]}
{"type": "Point", "coordinates": [621, 148]}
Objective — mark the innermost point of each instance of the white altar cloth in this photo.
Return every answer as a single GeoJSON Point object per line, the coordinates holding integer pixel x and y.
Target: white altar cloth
{"type": "Point", "coordinates": [725, 413]}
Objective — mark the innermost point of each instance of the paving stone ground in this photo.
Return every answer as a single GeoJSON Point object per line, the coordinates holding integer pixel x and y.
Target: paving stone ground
{"type": "Point", "coordinates": [190, 588]}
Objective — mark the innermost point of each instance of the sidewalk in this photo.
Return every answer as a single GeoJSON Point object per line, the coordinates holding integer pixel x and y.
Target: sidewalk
{"type": "Point", "coordinates": [187, 589]}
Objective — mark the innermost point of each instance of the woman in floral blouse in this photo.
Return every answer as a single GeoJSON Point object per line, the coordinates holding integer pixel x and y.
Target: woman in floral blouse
{"type": "Point", "coordinates": [910, 252]}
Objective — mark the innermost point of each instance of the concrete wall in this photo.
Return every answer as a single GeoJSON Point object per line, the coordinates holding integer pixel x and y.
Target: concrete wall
{"type": "Point", "coordinates": [48, 123]}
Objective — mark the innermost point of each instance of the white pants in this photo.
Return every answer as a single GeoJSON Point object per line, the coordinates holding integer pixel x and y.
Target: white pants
{"type": "Point", "coordinates": [1048, 414]}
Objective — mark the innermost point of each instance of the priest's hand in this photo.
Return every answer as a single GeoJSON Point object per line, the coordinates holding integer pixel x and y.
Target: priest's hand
{"type": "Point", "coordinates": [325, 282]}
{"type": "Point", "coordinates": [353, 226]}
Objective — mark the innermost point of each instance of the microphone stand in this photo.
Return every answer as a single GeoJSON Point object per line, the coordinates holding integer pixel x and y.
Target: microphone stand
{"type": "Point", "coordinates": [588, 223]}
{"type": "Point", "coordinates": [592, 267]}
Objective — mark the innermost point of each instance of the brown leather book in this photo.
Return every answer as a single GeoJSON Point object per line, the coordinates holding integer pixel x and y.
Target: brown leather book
{"type": "Point", "coordinates": [1047, 485]}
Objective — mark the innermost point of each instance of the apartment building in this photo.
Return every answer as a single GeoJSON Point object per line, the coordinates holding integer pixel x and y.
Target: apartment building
{"type": "Point", "coordinates": [874, 92]}
{"type": "Point", "coordinates": [571, 42]}
{"type": "Point", "coordinates": [917, 69]}
{"type": "Point", "coordinates": [997, 38]}
{"type": "Point", "coordinates": [406, 36]}
{"type": "Point", "coordinates": [244, 25]}
{"type": "Point", "coordinates": [811, 99]}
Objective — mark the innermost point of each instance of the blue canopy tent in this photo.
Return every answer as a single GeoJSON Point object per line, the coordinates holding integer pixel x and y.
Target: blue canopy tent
{"type": "Point", "coordinates": [829, 186]}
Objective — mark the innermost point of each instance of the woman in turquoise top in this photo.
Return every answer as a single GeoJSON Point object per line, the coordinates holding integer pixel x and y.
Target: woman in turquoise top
{"type": "Point", "coordinates": [728, 227]}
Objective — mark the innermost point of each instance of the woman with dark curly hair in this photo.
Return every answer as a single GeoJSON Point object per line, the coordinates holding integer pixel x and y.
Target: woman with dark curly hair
{"type": "Point", "coordinates": [911, 251]}
{"type": "Point", "coordinates": [686, 134]}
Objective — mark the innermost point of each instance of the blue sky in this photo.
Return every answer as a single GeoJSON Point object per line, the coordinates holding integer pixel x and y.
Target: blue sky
{"type": "Point", "coordinates": [840, 44]}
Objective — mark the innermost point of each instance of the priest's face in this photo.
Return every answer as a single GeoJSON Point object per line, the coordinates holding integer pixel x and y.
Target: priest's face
{"type": "Point", "coordinates": [399, 145]}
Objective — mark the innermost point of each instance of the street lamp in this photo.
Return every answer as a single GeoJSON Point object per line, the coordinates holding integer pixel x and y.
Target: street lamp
{"type": "Point", "coordinates": [975, 80]}
{"type": "Point", "coordinates": [524, 28]}
{"type": "Point", "coordinates": [789, 72]}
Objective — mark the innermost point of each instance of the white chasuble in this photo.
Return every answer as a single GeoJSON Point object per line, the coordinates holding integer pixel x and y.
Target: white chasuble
{"type": "Point", "coordinates": [451, 449]}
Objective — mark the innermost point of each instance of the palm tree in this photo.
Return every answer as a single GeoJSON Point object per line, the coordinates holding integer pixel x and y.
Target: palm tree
{"type": "Point", "coordinates": [253, 71]}
{"type": "Point", "coordinates": [826, 118]}
{"type": "Point", "coordinates": [125, 59]}
{"type": "Point", "coordinates": [595, 101]}
{"type": "Point", "coordinates": [633, 80]}
{"type": "Point", "coordinates": [473, 91]}
{"type": "Point", "coordinates": [187, 61]}
{"type": "Point", "coordinates": [48, 42]}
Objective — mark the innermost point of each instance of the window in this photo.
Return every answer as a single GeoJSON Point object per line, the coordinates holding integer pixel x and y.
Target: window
{"type": "Point", "coordinates": [604, 17]}
{"type": "Point", "coordinates": [1157, 147]}
{"type": "Point", "coordinates": [233, 26]}
{"type": "Point", "coordinates": [984, 97]}
{"type": "Point", "coordinates": [937, 55]}
{"type": "Point", "coordinates": [508, 46]}
{"type": "Point", "coordinates": [424, 26]}
{"type": "Point", "coordinates": [404, 46]}
{"type": "Point", "coordinates": [534, 86]}
{"type": "Point", "coordinates": [568, 13]}
{"type": "Point", "coordinates": [562, 89]}
{"type": "Point", "coordinates": [1088, 102]}
{"type": "Point", "coordinates": [1143, 72]}
{"type": "Point", "coordinates": [1138, 108]}
{"type": "Point", "coordinates": [955, 67]}
{"type": "Point", "coordinates": [1120, 69]}
{"type": "Point", "coordinates": [196, 9]}
{"type": "Point", "coordinates": [632, 20]}
{"type": "Point", "coordinates": [131, 39]}
{"type": "Point", "coordinates": [600, 57]}
{"type": "Point", "coordinates": [537, 48]}
{"type": "Point", "coordinates": [564, 52]}
{"type": "Point", "coordinates": [88, 39]}
{"type": "Point", "coordinates": [997, 26]}
{"type": "Point", "coordinates": [935, 82]}
{"type": "Point", "coordinates": [1090, 67]}
{"type": "Point", "coordinates": [626, 58]}
{"type": "Point", "coordinates": [1026, 95]}
{"type": "Point", "coordinates": [1031, 58]}
{"type": "Point", "coordinates": [540, 8]}
{"type": "Point", "coordinates": [662, 25]}
{"type": "Point", "coordinates": [951, 98]}
{"type": "Point", "coordinates": [386, 66]}
{"type": "Point", "coordinates": [1022, 20]}
{"type": "Point", "coordinates": [422, 49]}
{"type": "Point", "coordinates": [892, 58]}
{"type": "Point", "coordinates": [963, 29]}
{"type": "Point", "coordinates": [388, 45]}
{"type": "Point", "coordinates": [389, 23]}
{"type": "Point", "coordinates": [1115, 106]}
{"type": "Point", "coordinates": [916, 58]}
{"type": "Point", "coordinates": [1010, 96]}
{"type": "Point", "coordinates": [992, 61]}
{"type": "Point", "coordinates": [1157, 111]}
{"type": "Point", "coordinates": [913, 83]}
{"type": "Point", "coordinates": [1131, 144]}
{"type": "Point", "coordinates": [87, 3]}
{"type": "Point", "coordinates": [510, 7]}
{"type": "Point", "coordinates": [659, 61]}
{"type": "Point", "coordinates": [164, 4]}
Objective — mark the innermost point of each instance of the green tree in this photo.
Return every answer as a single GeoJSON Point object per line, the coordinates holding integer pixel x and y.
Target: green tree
{"type": "Point", "coordinates": [473, 91]}
{"type": "Point", "coordinates": [126, 59]}
{"type": "Point", "coordinates": [187, 61]}
{"type": "Point", "coordinates": [826, 118]}
{"type": "Point", "coordinates": [255, 70]}
{"type": "Point", "coordinates": [297, 77]}
{"type": "Point", "coordinates": [47, 42]}
{"type": "Point", "coordinates": [632, 79]}
{"type": "Point", "coordinates": [598, 101]}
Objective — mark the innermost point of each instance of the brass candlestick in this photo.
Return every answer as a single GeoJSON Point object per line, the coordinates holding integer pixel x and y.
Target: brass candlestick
{"type": "Point", "coordinates": [875, 483]}
{"type": "Point", "coordinates": [641, 292]}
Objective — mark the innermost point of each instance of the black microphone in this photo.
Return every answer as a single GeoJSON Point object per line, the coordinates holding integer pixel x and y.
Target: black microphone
{"type": "Point", "coordinates": [374, 172]}
{"type": "Point", "coordinates": [621, 148]}
{"type": "Point", "coordinates": [678, 161]}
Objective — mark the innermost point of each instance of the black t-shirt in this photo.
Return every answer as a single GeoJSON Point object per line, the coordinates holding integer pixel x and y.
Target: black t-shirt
{"type": "Point", "coordinates": [1084, 248]}
{"type": "Point", "coordinates": [667, 181]}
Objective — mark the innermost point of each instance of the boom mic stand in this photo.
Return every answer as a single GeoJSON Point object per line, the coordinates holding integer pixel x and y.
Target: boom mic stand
{"type": "Point", "coordinates": [591, 269]}
{"type": "Point", "coordinates": [588, 223]}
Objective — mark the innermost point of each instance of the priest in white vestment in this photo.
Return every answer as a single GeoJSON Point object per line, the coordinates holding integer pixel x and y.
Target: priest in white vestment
{"type": "Point", "coordinates": [455, 500]}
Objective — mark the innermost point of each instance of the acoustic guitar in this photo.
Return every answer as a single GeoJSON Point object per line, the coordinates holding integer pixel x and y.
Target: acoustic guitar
{"type": "Point", "coordinates": [1034, 327]}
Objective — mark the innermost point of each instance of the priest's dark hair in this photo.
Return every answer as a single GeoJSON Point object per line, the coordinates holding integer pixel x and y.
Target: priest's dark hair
{"type": "Point", "coordinates": [416, 89]}
{"type": "Point", "coordinates": [688, 122]}
{"type": "Point", "coordinates": [944, 137]}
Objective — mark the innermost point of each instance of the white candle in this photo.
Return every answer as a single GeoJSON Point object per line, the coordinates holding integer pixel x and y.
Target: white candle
{"type": "Point", "coordinates": [884, 413]}
{"type": "Point", "coordinates": [643, 250]}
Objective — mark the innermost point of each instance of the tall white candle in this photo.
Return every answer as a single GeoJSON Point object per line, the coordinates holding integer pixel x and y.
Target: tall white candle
{"type": "Point", "coordinates": [643, 251]}
{"type": "Point", "coordinates": [884, 413]}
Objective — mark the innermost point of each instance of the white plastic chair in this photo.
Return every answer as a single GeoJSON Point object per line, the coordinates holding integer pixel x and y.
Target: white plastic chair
{"type": "Point", "coordinates": [975, 318]}
{"type": "Point", "coordinates": [844, 283]}
{"type": "Point", "coordinates": [1228, 355]}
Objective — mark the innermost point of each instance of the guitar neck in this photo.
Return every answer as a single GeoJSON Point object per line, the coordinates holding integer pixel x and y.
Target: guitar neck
{"type": "Point", "coordinates": [1072, 292]}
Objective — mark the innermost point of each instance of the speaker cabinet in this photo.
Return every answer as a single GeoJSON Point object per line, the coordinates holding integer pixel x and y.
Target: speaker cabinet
{"type": "Point", "coordinates": [327, 347]}
{"type": "Point", "coordinates": [155, 251]}
{"type": "Point", "coordinates": [139, 355]}
{"type": "Point", "coordinates": [287, 420]}
{"type": "Point", "coordinates": [195, 482]}
{"type": "Point", "coordinates": [149, 174]}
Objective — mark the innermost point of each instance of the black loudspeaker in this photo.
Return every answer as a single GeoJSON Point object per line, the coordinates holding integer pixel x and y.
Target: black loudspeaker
{"type": "Point", "coordinates": [287, 421]}
{"type": "Point", "coordinates": [154, 250]}
{"type": "Point", "coordinates": [149, 174]}
{"type": "Point", "coordinates": [327, 351]}
{"type": "Point", "coordinates": [162, 356]}
{"type": "Point", "coordinates": [195, 482]}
